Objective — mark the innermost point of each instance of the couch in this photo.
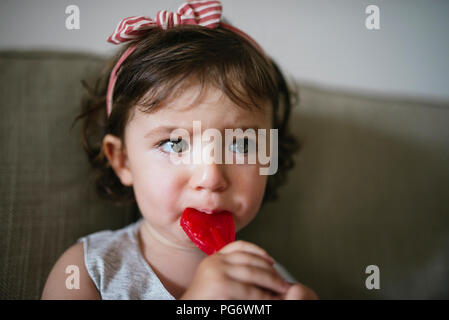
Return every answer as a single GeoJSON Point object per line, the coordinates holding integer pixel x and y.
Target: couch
{"type": "Point", "coordinates": [370, 186]}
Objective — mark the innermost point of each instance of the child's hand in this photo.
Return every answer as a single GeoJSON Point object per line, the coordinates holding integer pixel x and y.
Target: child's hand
{"type": "Point", "coordinates": [240, 270]}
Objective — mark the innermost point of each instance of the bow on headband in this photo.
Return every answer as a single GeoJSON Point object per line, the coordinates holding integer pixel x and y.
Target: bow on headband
{"type": "Point", "coordinates": [202, 12]}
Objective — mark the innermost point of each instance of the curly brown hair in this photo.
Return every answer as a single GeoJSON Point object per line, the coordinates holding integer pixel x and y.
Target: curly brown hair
{"type": "Point", "coordinates": [161, 62]}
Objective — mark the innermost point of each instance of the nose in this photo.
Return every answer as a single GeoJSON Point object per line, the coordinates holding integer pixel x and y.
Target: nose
{"type": "Point", "coordinates": [210, 177]}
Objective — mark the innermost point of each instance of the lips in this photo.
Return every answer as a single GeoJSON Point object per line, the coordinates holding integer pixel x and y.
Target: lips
{"type": "Point", "coordinates": [208, 229]}
{"type": "Point", "coordinates": [210, 211]}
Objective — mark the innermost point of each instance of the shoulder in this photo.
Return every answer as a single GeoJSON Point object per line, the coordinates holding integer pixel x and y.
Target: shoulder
{"type": "Point", "coordinates": [103, 241]}
{"type": "Point", "coordinates": [105, 251]}
{"type": "Point", "coordinates": [69, 278]}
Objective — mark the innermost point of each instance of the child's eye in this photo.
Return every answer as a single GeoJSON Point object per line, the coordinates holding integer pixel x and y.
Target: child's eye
{"type": "Point", "coordinates": [177, 146]}
{"type": "Point", "coordinates": [241, 145]}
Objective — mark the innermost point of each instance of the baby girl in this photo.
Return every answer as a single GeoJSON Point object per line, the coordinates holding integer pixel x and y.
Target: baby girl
{"type": "Point", "coordinates": [174, 72]}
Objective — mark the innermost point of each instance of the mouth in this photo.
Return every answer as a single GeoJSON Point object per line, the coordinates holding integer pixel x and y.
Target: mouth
{"type": "Point", "coordinates": [211, 211]}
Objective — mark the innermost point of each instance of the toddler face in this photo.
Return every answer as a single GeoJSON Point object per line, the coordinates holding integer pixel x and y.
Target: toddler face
{"type": "Point", "coordinates": [163, 189]}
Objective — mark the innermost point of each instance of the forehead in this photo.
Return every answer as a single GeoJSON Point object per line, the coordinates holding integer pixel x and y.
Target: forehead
{"type": "Point", "coordinates": [206, 104]}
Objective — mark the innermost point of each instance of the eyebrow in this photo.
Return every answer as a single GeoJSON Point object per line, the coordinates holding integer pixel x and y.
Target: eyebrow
{"type": "Point", "coordinates": [167, 129]}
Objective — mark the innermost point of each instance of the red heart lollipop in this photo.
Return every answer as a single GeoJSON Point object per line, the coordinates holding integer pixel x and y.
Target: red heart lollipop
{"type": "Point", "coordinates": [209, 232]}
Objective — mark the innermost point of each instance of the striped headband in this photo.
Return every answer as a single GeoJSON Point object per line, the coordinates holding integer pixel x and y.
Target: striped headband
{"type": "Point", "coordinates": [203, 13]}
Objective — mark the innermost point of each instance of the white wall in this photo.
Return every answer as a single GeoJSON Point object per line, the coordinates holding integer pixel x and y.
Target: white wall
{"type": "Point", "coordinates": [317, 41]}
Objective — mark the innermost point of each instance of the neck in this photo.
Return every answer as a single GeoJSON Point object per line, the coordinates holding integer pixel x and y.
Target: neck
{"type": "Point", "coordinates": [175, 265]}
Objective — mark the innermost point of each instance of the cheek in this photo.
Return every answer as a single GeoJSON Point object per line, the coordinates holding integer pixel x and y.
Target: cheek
{"type": "Point", "coordinates": [157, 188]}
{"type": "Point", "coordinates": [249, 188]}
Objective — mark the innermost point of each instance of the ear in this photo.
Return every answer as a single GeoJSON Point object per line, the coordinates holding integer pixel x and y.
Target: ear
{"type": "Point", "coordinates": [118, 159]}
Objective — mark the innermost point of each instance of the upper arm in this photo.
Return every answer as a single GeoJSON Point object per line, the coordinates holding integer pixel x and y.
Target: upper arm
{"type": "Point", "coordinates": [56, 288]}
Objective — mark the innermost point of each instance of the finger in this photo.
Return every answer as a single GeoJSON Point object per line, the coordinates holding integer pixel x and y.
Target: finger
{"type": "Point", "coordinates": [298, 291]}
{"type": "Point", "coordinates": [249, 259]}
{"type": "Point", "coordinates": [241, 245]}
{"type": "Point", "coordinates": [266, 279]}
{"type": "Point", "coordinates": [244, 291]}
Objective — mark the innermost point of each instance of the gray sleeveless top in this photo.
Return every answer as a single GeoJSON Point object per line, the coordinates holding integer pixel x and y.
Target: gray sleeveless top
{"type": "Point", "coordinates": [120, 272]}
